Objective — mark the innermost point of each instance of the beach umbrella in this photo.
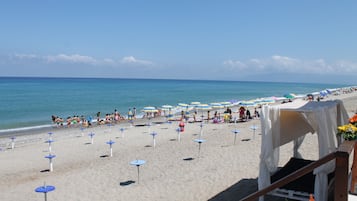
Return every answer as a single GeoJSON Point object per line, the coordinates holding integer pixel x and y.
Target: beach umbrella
{"type": "Point", "coordinates": [138, 163]}
{"type": "Point", "coordinates": [178, 130]}
{"type": "Point", "coordinates": [82, 131]}
{"type": "Point", "coordinates": [49, 145]}
{"type": "Point", "coordinates": [226, 104]}
{"type": "Point", "coordinates": [203, 107]}
{"type": "Point", "coordinates": [149, 109]}
{"type": "Point", "coordinates": [50, 157]}
{"type": "Point", "coordinates": [199, 141]}
{"type": "Point", "coordinates": [167, 110]}
{"type": "Point", "coordinates": [323, 93]}
{"type": "Point", "coordinates": [91, 135]}
{"type": "Point", "coordinates": [182, 104]}
{"type": "Point", "coordinates": [254, 128]}
{"type": "Point", "coordinates": [166, 107]}
{"type": "Point", "coordinates": [50, 135]}
{"type": "Point", "coordinates": [110, 142]}
{"type": "Point", "coordinates": [289, 96]}
{"type": "Point", "coordinates": [13, 142]}
{"type": "Point", "coordinates": [267, 100]}
{"type": "Point", "coordinates": [201, 129]}
{"type": "Point", "coordinates": [109, 127]}
{"type": "Point", "coordinates": [247, 103]}
{"type": "Point", "coordinates": [216, 105]}
{"type": "Point", "coordinates": [122, 132]}
{"type": "Point", "coordinates": [195, 103]}
{"type": "Point", "coordinates": [235, 132]}
{"type": "Point", "coordinates": [45, 189]}
{"type": "Point", "coordinates": [153, 138]}
{"type": "Point", "coordinates": [149, 126]}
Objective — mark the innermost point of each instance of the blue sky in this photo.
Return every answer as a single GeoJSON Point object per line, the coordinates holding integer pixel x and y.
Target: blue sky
{"type": "Point", "coordinates": [277, 40]}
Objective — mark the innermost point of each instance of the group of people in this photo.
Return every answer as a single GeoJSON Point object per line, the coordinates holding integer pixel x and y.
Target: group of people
{"type": "Point", "coordinates": [244, 115]}
{"type": "Point", "coordinates": [74, 120]}
{"type": "Point", "coordinates": [114, 117]}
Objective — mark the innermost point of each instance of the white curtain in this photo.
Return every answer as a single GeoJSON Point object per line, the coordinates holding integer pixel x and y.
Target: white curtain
{"type": "Point", "coordinates": [323, 117]}
{"type": "Point", "coordinates": [269, 156]}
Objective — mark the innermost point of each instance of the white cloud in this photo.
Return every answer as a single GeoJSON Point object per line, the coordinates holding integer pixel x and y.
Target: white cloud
{"type": "Point", "coordinates": [283, 64]}
{"type": "Point", "coordinates": [78, 59]}
{"type": "Point", "coordinates": [235, 64]}
{"type": "Point", "coordinates": [26, 56]}
{"type": "Point", "coordinates": [133, 60]}
{"type": "Point", "coordinates": [75, 58]}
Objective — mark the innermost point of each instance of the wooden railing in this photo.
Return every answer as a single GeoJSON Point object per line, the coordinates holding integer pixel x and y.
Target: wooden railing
{"type": "Point", "coordinates": [341, 173]}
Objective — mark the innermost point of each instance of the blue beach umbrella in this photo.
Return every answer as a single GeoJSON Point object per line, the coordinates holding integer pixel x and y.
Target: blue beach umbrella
{"type": "Point", "coordinates": [254, 128]}
{"type": "Point", "coordinates": [91, 135]}
{"type": "Point", "coordinates": [110, 143]}
{"type": "Point", "coordinates": [138, 163]}
{"type": "Point", "coordinates": [49, 145]}
{"type": "Point", "coordinates": [13, 142]}
{"type": "Point", "coordinates": [178, 130]}
{"type": "Point", "coordinates": [50, 157]}
{"type": "Point", "coordinates": [199, 141]}
{"type": "Point", "coordinates": [45, 189]}
{"type": "Point", "coordinates": [122, 132]}
{"type": "Point", "coordinates": [153, 138]}
{"type": "Point", "coordinates": [235, 132]}
{"type": "Point", "coordinates": [50, 135]}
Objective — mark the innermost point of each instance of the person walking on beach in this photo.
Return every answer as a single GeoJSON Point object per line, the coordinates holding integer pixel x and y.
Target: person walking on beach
{"type": "Point", "coordinates": [130, 114]}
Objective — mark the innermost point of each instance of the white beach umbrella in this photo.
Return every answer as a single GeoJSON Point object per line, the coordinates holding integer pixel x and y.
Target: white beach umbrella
{"type": "Point", "coordinates": [216, 105]}
{"type": "Point", "coordinates": [248, 103]}
{"type": "Point", "coordinates": [203, 107]}
{"type": "Point", "coordinates": [226, 104]}
{"type": "Point", "coordinates": [182, 104]}
{"type": "Point", "coordinates": [166, 107]}
{"type": "Point", "coordinates": [167, 110]}
{"type": "Point", "coordinates": [149, 109]}
{"type": "Point", "coordinates": [195, 103]}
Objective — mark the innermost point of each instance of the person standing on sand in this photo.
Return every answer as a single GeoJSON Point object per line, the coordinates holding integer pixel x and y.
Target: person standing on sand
{"type": "Point", "coordinates": [130, 114]}
{"type": "Point", "coordinates": [134, 113]}
{"type": "Point", "coordinates": [98, 117]}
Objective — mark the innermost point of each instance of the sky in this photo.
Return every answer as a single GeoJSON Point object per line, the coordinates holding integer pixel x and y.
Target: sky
{"type": "Point", "coordinates": [277, 40]}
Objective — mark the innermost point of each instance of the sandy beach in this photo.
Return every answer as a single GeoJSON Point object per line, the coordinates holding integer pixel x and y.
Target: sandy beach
{"type": "Point", "coordinates": [83, 171]}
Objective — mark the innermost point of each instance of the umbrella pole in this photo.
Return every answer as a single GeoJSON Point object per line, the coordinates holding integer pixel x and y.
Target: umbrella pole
{"type": "Point", "coordinates": [45, 196]}
{"type": "Point", "coordinates": [199, 150]}
{"type": "Point", "coordinates": [138, 173]}
{"type": "Point", "coordinates": [154, 141]}
{"type": "Point", "coordinates": [235, 137]}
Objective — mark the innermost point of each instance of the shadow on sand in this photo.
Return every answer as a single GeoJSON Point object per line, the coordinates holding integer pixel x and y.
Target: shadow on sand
{"type": "Point", "coordinates": [240, 190]}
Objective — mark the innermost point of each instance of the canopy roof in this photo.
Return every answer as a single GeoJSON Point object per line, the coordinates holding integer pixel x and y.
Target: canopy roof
{"type": "Point", "coordinates": [288, 122]}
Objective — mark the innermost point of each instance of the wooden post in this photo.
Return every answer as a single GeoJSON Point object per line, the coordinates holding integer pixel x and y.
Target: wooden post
{"type": "Point", "coordinates": [353, 188]}
{"type": "Point", "coordinates": [341, 176]}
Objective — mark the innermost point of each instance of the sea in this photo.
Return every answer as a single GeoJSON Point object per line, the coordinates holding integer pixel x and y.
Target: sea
{"type": "Point", "coordinates": [29, 102]}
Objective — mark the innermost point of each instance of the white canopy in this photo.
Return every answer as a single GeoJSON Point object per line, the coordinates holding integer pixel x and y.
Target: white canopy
{"type": "Point", "coordinates": [291, 122]}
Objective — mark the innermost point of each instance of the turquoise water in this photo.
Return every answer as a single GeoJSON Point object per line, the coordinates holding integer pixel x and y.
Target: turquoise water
{"type": "Point", "coordinates": [28, 102]}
